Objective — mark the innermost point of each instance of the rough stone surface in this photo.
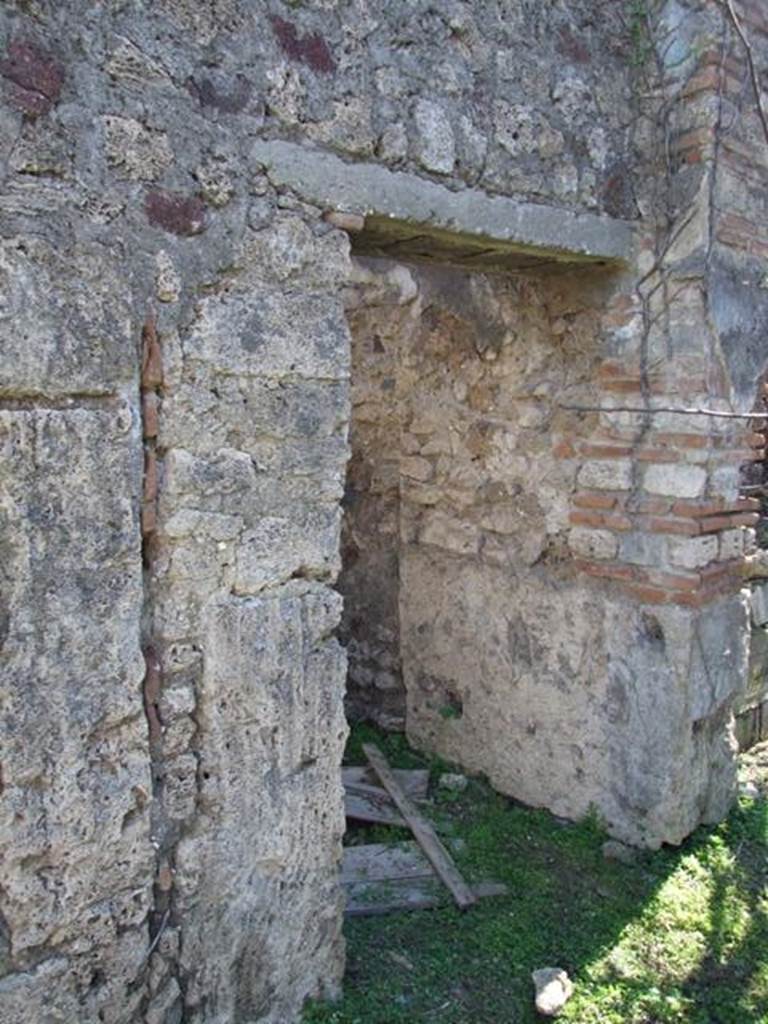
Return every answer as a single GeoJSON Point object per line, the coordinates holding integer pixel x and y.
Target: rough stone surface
{"type": "Point", "coordinates": [175, 303]}
{"type": "Point", "coordinates": [553, 990]}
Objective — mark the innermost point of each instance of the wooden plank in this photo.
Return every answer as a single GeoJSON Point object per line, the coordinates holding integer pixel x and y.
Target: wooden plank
{"type": "Point", "coordinates": [423, 832]}
{"type": "Point", "coordinates": [378, 811]}
{"type": "Point", "coordinates": [376, 862]}
{"type": "Point", "coordinates": [366, 898]}
{"type": "Point", "coordinates": [414, 781]}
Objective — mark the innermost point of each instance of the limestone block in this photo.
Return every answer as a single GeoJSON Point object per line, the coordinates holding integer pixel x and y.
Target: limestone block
{"type": "Point", "coordinates": [46, 993]}
{"type": "Point", "coordinates": [643, 549]}
{"type": "Point", "coordinates": [720, 656]}
{"type": "Point", "coordinates": [269, 710]}
{"type": "Point", "coordinates": [278, 548]}
{"type": "Point", "coordinates": [442, 530]}
{"type": "Point", "coordinates": [606, 475]}
{"type": "Point", "coordinates": [593, 543]}
{"type": "Point", "coordinates": [675, 480]}
{"type": "Point", "coordinates": [138, 152]}
{"type": "Point", "coordinates": [74, 823]}
{"type": "Point", "coordinates": [693, 552]}
{"type": "Point", "coordinates": [435, 146]}
{"type": "Point", "coordinates": [759, 604]}
{"type": "Point", "coordinates": [66, 323]}
{"type": "Point", "coordinates": [266, 334]}
{"type": "Point", "coordinates": [731, 544]}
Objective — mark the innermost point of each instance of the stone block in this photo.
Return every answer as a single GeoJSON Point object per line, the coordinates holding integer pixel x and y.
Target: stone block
{"type": "Point", "coordinates": [693, 552]}
{"type": "Point", "coordinates": [759, 603]}
{"type": "Point", "coordinates": [675, 480]}
{"type": "Point", "coordinates": [606, 475]}
{"type": "Point", "coordinates": [270, 710]}
{"type": "Point", "coordinates": [279, 548]}
{"type": "Point", "coordinates": [731, 543]}
{"type": "Point", "coordinates": [272, 335]}
{"type": "Point", "coordinates": [593, 543]}
{"type": "Point", "coordinates": [67, 324]}
{"type": "Point", "coordinates": [71, 551]}
{"type": "Point", "coordinates": [435, 146]}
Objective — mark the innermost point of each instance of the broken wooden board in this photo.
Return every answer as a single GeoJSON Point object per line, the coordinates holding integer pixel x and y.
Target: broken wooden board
{"type": "Point", "coordinates": [422, 830]}
{"type": "Point", "coordinates": [413, 781]}
{"type": "Point", "coordinates": [372, 804]}
{"type": "Point", "coordinates": [386, 896]}
{"type": "Point", "coordinates": [376, 862]}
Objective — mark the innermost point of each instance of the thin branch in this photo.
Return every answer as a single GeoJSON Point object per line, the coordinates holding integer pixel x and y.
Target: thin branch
{"type": "Point", "coordinates": [736, 21]}
{"type": "Point", "coordinates": [644, 411]}
{"type": "Point", "coordinates": [157, 937]}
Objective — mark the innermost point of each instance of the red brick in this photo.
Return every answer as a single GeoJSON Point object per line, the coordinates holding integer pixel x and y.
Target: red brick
{"type": "Point", "coordinates": [600, 520]}
{"type": "Point", "coordinates": [148, 518]}
{"type": "Point", "coordinates": [647, 594]}
{"type": "Point", "coordinates": [594, 499]}
{"type": "Point", "coordinates": [747, 505]}
{"type": "Point", "coordinates": [150, 475]}
{"type": "Point", "coordinates": [564, 449]}
{"type": "Point", "coordinates": [657, 455]}
{"type": "Point", "coordinates": [151, 356]}
{"type": "Point", "coordinates": [681, 440]}
{"type": "Point", "coordinates": [705, 507]}
{"type": "Point", "coordinates": [721, 570]}
{"type": "Point", "coordinates": [149, 413]}
{"type": "Point", "coordinates": [606, 570]}
{"type": "Point", "coordinates": [673, 580]}
{"type": "Point", "coordinates": [681, 527]}
{"type": "Point", "coordinates": [605, 451]}
{"type": "Point", "coordinates": [712, 524]}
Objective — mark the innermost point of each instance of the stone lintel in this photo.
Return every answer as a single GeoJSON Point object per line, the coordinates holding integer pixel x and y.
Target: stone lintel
{"type": "Point", "coordinates": [481, 220]}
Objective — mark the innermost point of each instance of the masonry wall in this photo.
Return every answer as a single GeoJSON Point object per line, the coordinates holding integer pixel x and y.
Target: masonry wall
{"type": "Point", "coordinates": [174, 402]}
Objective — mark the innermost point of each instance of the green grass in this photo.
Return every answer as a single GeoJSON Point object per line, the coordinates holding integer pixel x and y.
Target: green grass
{"type": "Point", "coordinates": [680, 936]}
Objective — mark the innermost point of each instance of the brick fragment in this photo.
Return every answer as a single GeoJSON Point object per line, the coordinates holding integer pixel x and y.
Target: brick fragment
{"type": "Point", "coordinates": [149, 414]}
{"type": "Point", "coordinates": [605, 451]}
{"type": "Point", "coordinates": [148, 518]}
{"type": "Point", "coordinates": [177, 214]}
{"type": "Point", "coordinates": [351, 222]}
{"type": "Point", "coordinates": [311, 50]}
{"type": "Point", "coordinates": [36, 77]}
{"type": "Point", "coordinates": [150, 475]}
{"type": "Point", "coordinates": [151, 356]}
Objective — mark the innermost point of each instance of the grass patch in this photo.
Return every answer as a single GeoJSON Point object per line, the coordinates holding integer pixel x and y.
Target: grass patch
{"type": "Point", "coordinates": [681, 936]}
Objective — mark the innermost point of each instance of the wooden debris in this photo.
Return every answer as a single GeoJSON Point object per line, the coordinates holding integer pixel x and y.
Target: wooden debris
{"type": "Point", "coordinates": [369, 803]}
{"type": "Point", "coordinates": [378, 862]}
{"type": "Point", "coordinates": [366, 898]}
{"type": "Point", "coordinates": [413, 781]}
{"type": "Point", "coordinates": [423, 831]}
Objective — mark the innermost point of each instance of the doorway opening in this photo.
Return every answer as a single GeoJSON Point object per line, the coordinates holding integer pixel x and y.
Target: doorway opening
{"type": "Point", "coordinates": [454, 568]}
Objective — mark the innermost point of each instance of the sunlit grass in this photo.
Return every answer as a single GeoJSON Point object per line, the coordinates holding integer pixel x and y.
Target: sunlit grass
{"type": "Point", "coordinates": [680, 936]}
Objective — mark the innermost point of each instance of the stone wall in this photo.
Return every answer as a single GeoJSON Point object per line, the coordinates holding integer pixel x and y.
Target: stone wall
{"type": "Point", "coordinates": [174, 404]}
